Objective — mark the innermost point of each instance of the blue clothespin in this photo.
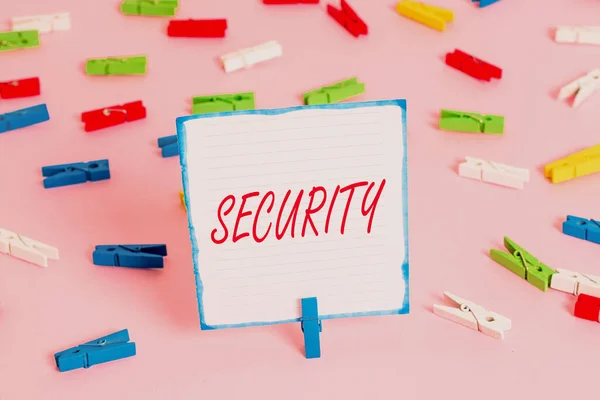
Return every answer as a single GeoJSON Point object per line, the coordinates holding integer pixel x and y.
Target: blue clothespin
{"type": "Point", "coordinates": [582, 228]}
{"type": "Point", "coordinates": [72, 174]}
{"type": "Point", "coordinates": [22, 118]}
{"type": "Point", "coordinates": [169, 146]}
{"type": "Point", "coordinates": [107, 348]}
{"type": "Point", "coordinates": [311, 326]}
{"type": "Point", "coordinates": [130, 255]}
{"type": "Point", "coordinates": [485, 3]}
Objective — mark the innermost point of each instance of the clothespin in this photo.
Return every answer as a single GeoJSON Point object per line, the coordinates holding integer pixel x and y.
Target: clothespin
{"type": "Point", "coordinates": [575, 283]}
{"type": "Point", "coordinates": [578, 164]}
{"type": "Point", "coordinates": [116, 66]}
{"type": "Point", "coordinates": [75, 173]}
{"type": "Point", "coordinates": [587, 307]}
{"type": "Point", "coordinates": [473, 316]}
{"type": "Point", "coordinates": [582, 228]}
{"type": "Point", "coordinates": [150, 8]}
{"type": "Point", "coordinates": [311, 327]}
{"type": "Point", "coordinates": [199, 28]}
{"type": "Point", "coordinates": [492, 172]}
{"type": "Point", "coordinates": [246, 58]}
{"type": "Point", "coordinates": [169, 146]}
{"type": "Point", "coordinates": [23, 118]}
{"type": "Point", "coordinates": [522, 263]}
{"type": "Point", "coordinates": [113, 115]}
{"type": "Point", "coordinates": [182, 198]}
{"type": "Point", "coordinates": [20, 88]}
{"type": "Point", "coordinates": [43, 23]}
{"type": "Point", "coordinates": [577, 34]}
{"type": "Point", "coordinates": [290, 1]}
{"type": "Point", "coordinates": [107, 348]}
{"type": "Point", "coordinates": [130, 255]}
{"type": "Point", "coordinates": [19, 40]}
{"type": "Point", "coordinates": [334, 93]}
{"type": "Point", "coordinates": [581, 88]}
{"type": "Point", "coordinates": [26, 249]}
{"type": "Point", "coordinates": [426, 14]}
{"type": "Point", "coordinates": [484, 3]}
{"type": "Point", "coordinates": [461, 121]}
{"type": "Point", "coordinates": [473, 66]}
{"type": "Point", "coordinates": [223, 102]}
{"type": "Point", "coordinates": [347, 18]}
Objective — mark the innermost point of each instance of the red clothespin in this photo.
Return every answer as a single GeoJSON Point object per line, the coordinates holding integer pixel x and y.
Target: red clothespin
{"type": "Point", "coordinates": [348, 19]}
{"type": "Point", "coordinates": [587, 307]}
{"type": "Point", "coordinates": [113, 115]}
{"type": "Point", "coordinates": [290, 1]}
{"type": "Point", "coordinates": [20, 88]}
{"type": "Point", "coordinates": [473, 66]}
{"type": "Point", "coordinates": [206, 28]}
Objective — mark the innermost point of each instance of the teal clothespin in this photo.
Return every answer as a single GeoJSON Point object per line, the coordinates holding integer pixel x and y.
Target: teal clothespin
{"type": "Point", "coordinates": [150, 8]}
{"type": "Point", "coordinates": [19, 40]}
{"type": "Point", "coordinates": [117, 66]}
{"type": "Point", "coordinates": [460, 121]}
{"type": "Point", "coordinates": [334, 93]}
{"type": "Point", "coordinates": [311, 327]}
{"type": "Point", "coordinates": [223, 102]}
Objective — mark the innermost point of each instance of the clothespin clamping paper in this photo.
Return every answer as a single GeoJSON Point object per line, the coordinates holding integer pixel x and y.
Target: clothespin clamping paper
{"type": "Point", "coordinates": [582, 88]}
{"type": "Point", "coordinates": [311, 327]}
{"type": "Point", "coordinates": [223, 102]}
{"type": "Point", "coordinates": [113, 115]}
{"type": "Point", "coordinates": [116, 66]}
{"type": "Point", "coordinates": [197, 28]}
{"type": "Point", "coordinates": [432, 16]}
{"type": "Point", "coordinates": [473, 66]}
{"type": "Point", "coordinates": [491, 172]}
{"type": "Point", "coordinates": [460, 121]}
{"type": "Point", "coordinates": [484, 3]}
{"type": "Point", "coordinates": [43, 23]}
{"type": "Point", "coordinates": [182, 198]}
{"type": "Point", "coordinates": [23, 118]}
{"type": "Point", "coordinates": [582, 228]}
{"type": "Point", "coordinates": [169, 146]}
{"type": "Point", "coordinates": [75, 173]}
{"type": "Point", "coordinates": [473, 316]}
{"type": "Point", "coordinates": [587, 307]}
{"type": "Point", "coordinates": [347, 18]}
{"type": "Point", "coordinates": [130, 255]}
{"type": "Point", "coordinates": [290, 1]}
{"type": "Point", "coordinates": [575, 283]}
{"type": "Point", "coordinates": [522, 263]}
{"type": "Point", "coordinates": [577, 34]}
{"type": "Point", "coordinates": [20, 88]}
{"type": "Point", "coordinates": [246, 58]}
{"type": "Point", "coordinates": [16, 40]}
{"type": "Point", "coordinates": [107, 348]}
{"type": "Point", "coordinates": [150, 8]}
{"type": "Point", "coordinates": [26, 249]}
{"type": "Point", "coordinates": [334, 93]}
{"type": "Point", "coordinates": [576, 165]}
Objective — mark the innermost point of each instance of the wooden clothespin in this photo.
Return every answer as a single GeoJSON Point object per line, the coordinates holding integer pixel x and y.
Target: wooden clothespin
{"type": "Point", "coordinates": [577, 34]}
{"type": "Point", "coordinates": [484, 3]}
{"type": "Point", "coordinates": [23, 118]}
{"type": "Point", "coordinates": [169, 146]}
{"type": "Point", "coordinates": [587, 307]}
{"type": "Point", "coordinates": [42, 23]}
{"type": "Point", "coordinates": [347, 18]}
{"type": "Point", "coordinates": [492, 172]}
{"type": "Point", "coordinates": [582, 228]}
{"type": "Point", "coordinates": [432, 16]}
{"type": "Point", "coordinates": [197, 28]}
{"type": "Point", "coordinates": [575, 282]}
{"type": "Point", "coordinates": [113, 115]}
{"type": "Point", "coordinates": [150, 8]}
{"type": "Point", "coordinates": [223, 102]}
{"type": "Point", "coordinates": [182, 199]}
{"type": "Point", "coordinates": [460, 121]}
{"type": "Point", "coordinates": [311, 327]}
{"type": "Point", "coordinates": [581, 88]}
{"type": "Point", "coordinates": [128, 65]}
{"type": "Point", "coordinates": [473, 66]}
{"type": "Point", "coordinates": [130, 255]}
{"type": "Point", "coordinates": [582, 163]}
{"type": "Point", "coordinates": [20, 88]}
{"type": "Point", "coordinates": [246, 58]}
{"type": "Point", "coordinates": [75, 173]}
{"type": "Point", "coordinates": [17, 40]}
{"type": "Point", "coordinates": [334, 93]}
{"type": "Point", "coordinates": [26, 249]}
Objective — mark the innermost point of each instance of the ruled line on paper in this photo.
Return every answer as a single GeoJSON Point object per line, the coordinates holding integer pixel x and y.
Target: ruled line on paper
{"type": "Point", "coordinates": [279, 130]}
{"type": "Point", "coordinates": [292, 254]}
{"type": "Point", "coordinates": [301, 171]}
{"type": "Point", "coordinates": [285, 140]}
{"type": "Point", "coordinates": [307, 160]}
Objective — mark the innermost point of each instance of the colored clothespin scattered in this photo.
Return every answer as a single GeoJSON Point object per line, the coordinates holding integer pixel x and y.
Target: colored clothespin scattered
{"type": "Point", "coordinates": [484, 3]}
{"type": "Point", "coordinates": [575, 283]}
{"type": "Point", "coordinates": [432, 16]}
{"type": "Point", "coordinates": [116, 66]}
{"type": "Point", "coordinates": [43, 23]}
{"type": "Point", "coordinates": [473, 66]}
{"type": "Point", "coordinates": [26, 249]}
{"type": "Point", "coordinates": [461, 121]}
{"type": "Point", "coordinates": [182, 198]}
{"type": "Point", "coordinates": [581, 88]}
{"type": "Point", "coordinates": [169, 146]}
{"type": "Point", "coordinates": [587, 307]}
{"type": "Point", "coordinates": [20, 88]}
{"type": "Point", "coordinates": [107, 348]}
{"type": "Point", "coordinates": [246, 58]}
{"type": "Point", "coordinates": [150, 8]}
{"type": "Point", "coordinates": [522, 263]}
{"type": "Point", "coordinates": [16, 40]}
{"type": "Point", "coordinates": [311, 327]}
{"type": "Point", "coordinates": [582, 228]}
{"type": "Point", "coordinates": [347, 18]}
{"type": "Point", "coordinates": [113, 115]}
{"type": "Point", "coordinates": [335, 92]}
{"type": "Point", "coordinates": [130, 255]}
{"type": "Point", "coordinates": [576, 165]}
{"type": "Point", "coordinates": [577, 34]}
{"type": "Point", "coordinates": [471, 315]}
{"type": "Point", "coordinates": [492, 172]}
{"type": "Point", "coordinates": [290, 1]}
{"type": "Point", "coordinates": [75, 173]}
{"type": "Point", "coordinates": [197, 28]}
{"type": "Point", "coordinates": [223, 102]}
{"type": "Point", "coordinates": [23, 118]}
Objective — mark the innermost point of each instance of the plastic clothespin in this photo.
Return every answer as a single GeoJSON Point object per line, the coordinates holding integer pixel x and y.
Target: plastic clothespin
{"type": "Point", "coordinates": [23, 118]}
{"type": "Point", "coordinates": [576, 165]}
{"type": "Point", "coordinates": [246, 58]}
{"type": "Point", "coordinates": [16, 40]}
{"type": "Point", "coordinates": [311, 326]}
{"type": "Point", "coordinates": [432, 16]}
{"type": "Point", "coordinates": [587, 307]}
{"type": "Point", "coordinates": [582, 228]}
{"type": "Point", "coordinates": [522, 263]}
{"type": "Point", "coordinates": [75, 173]}
{"type": "Point", "coordinates": [113, 115]}
{"type": "Point", "coordinates": [169, 146]}
{"type": "Point", "coordinates": [223, 102]}
{"type": "Point", "coordinates": [461, 121]}
{"type": "Point", "coordinates": [135, 65]}
{"type": "Point", "coordinates": [335, 92]}
{"type": "Point", "coordinates": [150, 8]}
{"type": "Point", "coordinates": [347, 18]}
{"type": "Point", "coordinates": [484, 3]}
{"type": "Point", "coordinates": [290, 2]}
{"type": "Point", "coordinates": [20, 88]}
{"type": "Point", "coordinates": [577, 34]}
{"type": "Point", "coordinates": [473, 316]}
{"type": "Point", "coordinates": [107, 348]}
{"type": "Point", "coordinates": [197, 28]}
{"type": "Point", "coordinates": [575, 283]}
{"type": "Point", "coordinates": [130, 255]}
{"type": "Point", "coordinates": [473, 66]}
{"type": "Point", "coordinates": [582, 88]}
{"type": "Point", "coordinates": [43, 23]}
{"type": "Point", "coordinates": [492, 172]}
{"type": "Point", "coordinates": [26, 249]}
{"type": "Point", "coordinates": [182, 198]}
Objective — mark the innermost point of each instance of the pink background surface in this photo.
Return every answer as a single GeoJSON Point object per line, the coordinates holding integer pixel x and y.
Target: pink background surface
{"type": "Point", "coordinates": [453, 221]}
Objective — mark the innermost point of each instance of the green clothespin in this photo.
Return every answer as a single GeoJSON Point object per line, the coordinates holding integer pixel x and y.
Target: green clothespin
{"type": "Point", "coordinates": [223, 102]}
{"type": "Point", "coordinates": [116, 66]}
{"type": "Point", "coordinates": [523, 264]}
{"type": "Point", "coordinates": [334, 93]}
{"type": "Point", "coordinates": [19, 40]}
{"type": "Point", "coordinates": [460, 121]}
{"type": "Point", "coordinates": [150, 8]}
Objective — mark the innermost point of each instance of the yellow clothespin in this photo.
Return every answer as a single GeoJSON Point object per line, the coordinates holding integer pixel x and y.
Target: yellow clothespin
{"type": "Point", "coordinates": [432, 16]}
{"type": "Point", "coordinates": [182, 198]}
{"type": "Point", "coordinates": [582, 163]}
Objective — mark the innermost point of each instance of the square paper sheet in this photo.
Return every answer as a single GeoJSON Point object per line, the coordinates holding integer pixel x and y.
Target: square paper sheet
{"type": "Point", "coordinates": [297, 202]}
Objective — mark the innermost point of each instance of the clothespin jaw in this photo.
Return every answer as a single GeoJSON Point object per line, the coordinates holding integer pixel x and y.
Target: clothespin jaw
{"type": "Point", "coordinates": [113, 115]}
{"type": "Point", "coordinates": [150, 8]}
{"type": "Point", "coordinates": [484, 3]}
{"type": "Point", "coordinates": [587, 307]}
{"type": "Point", "coordinates": [311, 326]}
{"type": "Point", "coordinates": [576, 165]}
{"type": "Point", "coordinates": [130, 255]}
{"type": "Point", "coordinates": [16, 40]}
{"type": "Point", "coordinates": [23, 118]}
{"type": "Point", "coordinates": [460, 121]}
{"type": "Point", "coordinates": [43, 23]}
{"type": "Point", "coordinates": [582, 88]}
{"type": "Point", "coordinates": [431, 16]}
{"type": "Point", "coordinates": [575, 283]}
{"type": "Point", "coordinates": [116, 66]}
{"type": "Point", "coordinates": [169, 146]}
{"type": "Point", "coordinates": [492, 172]}
{"type": "Point", "coordinates": [473, 66]}
{"type": "Point", "coordinates": [334, 93]}
{"type": "Point", "coordinates": [523, 264]}
{"type": "Point", "coordinates": [197, 28]}
{"type": "Point", "coordinates": [347, 18]}
{"type": "Point", "coordinates": [182, 198]}
{"type": "Point", "coordinates": [112, 347]}
{"type": "Point", "coordinates": [20, 88]}
{"type": "Point", "coordinates": [26, 249]}
{"type": "Point", "coordinates": [75, 173]}
{"type": "Point", "coordinates": [582, 228]}
{"type": "Point", "coordinates": [223, 102]}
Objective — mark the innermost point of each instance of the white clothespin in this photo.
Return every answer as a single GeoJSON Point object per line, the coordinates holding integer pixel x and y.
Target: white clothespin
{"type": "Point", "coordinates": [26, 249]}
{"type": "Point", "coordinates": [42, 23]}
{"type": "Point", "coordinates": [581, 88]}
{"type": "Point", "coordinates": [473, 316]}
{"type": "Point", "coordinates": [491, 172]}
{"type": "Point", "coordinates": [246, 58]}
{"type": "Point", "coordinates": [578, 34]}
{"type": "Point", "coordinates": [575, 283]}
